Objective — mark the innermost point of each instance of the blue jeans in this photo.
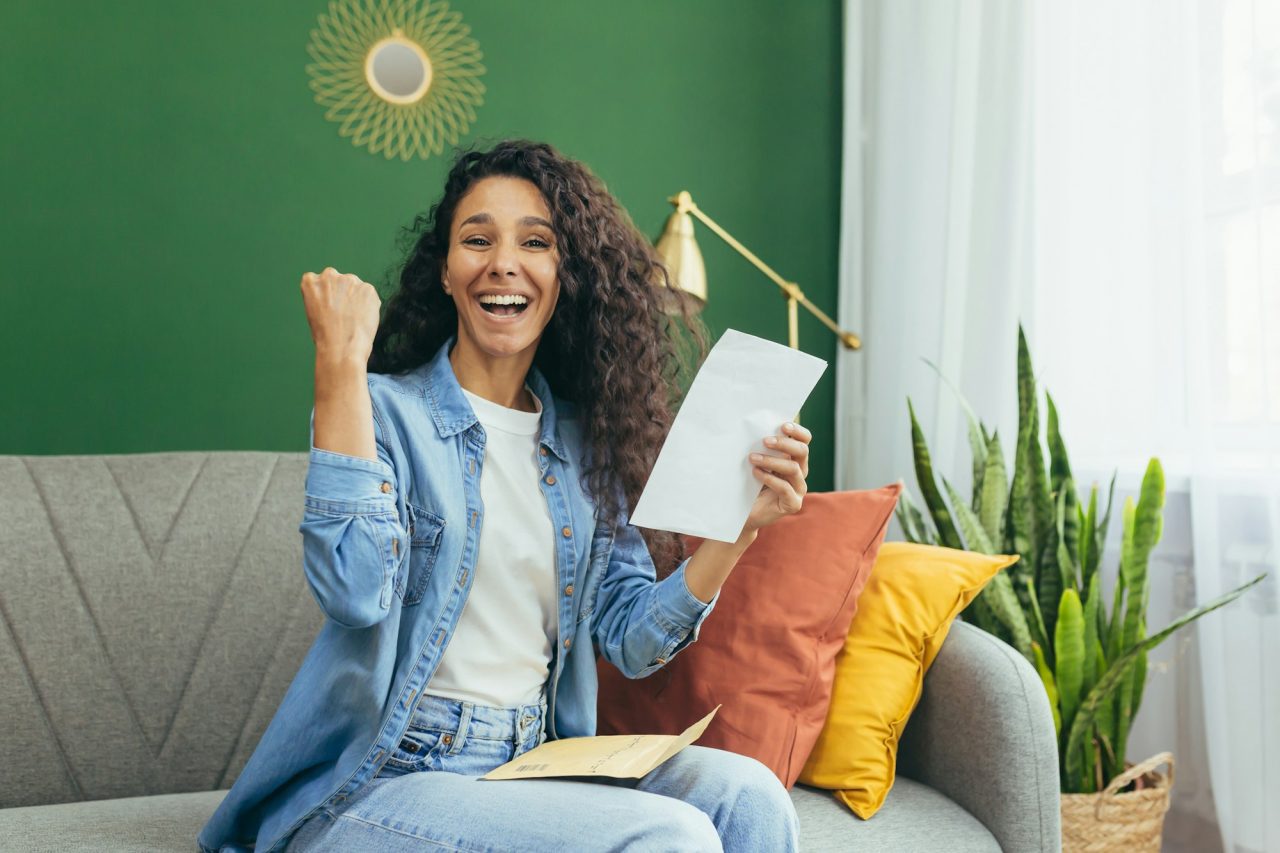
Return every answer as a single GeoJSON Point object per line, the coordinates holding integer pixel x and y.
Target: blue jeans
{"type": "Point", "coordinates": [428, 796]}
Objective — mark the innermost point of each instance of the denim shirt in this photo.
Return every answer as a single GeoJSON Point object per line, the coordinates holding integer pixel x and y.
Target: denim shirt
{"type": "Point", "coordinates": [389, 546]}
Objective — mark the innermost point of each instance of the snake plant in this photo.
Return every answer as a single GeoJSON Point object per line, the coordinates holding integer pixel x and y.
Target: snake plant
{"type": "Point", "coordinates": [1050, 605]}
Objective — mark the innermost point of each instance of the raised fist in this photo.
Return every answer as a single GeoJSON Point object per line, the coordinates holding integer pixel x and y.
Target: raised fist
{"type": "Point", "coordinates": [342, 311]}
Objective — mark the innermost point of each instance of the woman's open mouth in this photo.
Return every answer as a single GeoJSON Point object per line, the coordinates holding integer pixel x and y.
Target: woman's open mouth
{"type": "Point", "coordinates": [503, 305]}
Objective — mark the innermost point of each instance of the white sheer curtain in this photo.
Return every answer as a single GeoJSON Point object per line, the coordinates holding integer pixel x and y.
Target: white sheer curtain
{"type": "Point", "coordinates": [934, 261]}
{"type": "Point", "coordinates": [1157, 210]}
{"type": "Point", "coordinates": [1110, 173]}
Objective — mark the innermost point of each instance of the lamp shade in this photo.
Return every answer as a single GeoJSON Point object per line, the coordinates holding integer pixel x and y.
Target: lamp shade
{"type": "Point", "coordinates": [679, 251]}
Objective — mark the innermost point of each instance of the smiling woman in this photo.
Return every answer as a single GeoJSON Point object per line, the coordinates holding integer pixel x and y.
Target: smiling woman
{"type": "Point", "coordinates": [474, 457]}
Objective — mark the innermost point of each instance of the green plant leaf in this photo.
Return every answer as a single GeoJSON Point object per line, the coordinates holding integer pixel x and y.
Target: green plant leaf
{"type": "Point", "coordinates": [947, 534]}
{"type": "Point", "coordinates": [979, 613]}
{"type": "Point", "coordinates": [1062, 486]}
{"type": "Point", "coordinates": [1110, 766]}
{"type": "Point", "coordinates": [1115, 631]}
{"type": "Point", "coordinates": [970, 526]}
{"type": "Point", "coordinates": [905, 523]}
{"type": "Point", "coordinates": [1048, 572]}
{"type": "Point", "coordinates": [1139, 673]}
{"type": "Point", "coordinates": [1068, 647]}
{"type": "Point", "coordinates": [1004, 605]}
{"type": "Point", "coordinates": [1085, 784]}
{"type": "Point", "coordinates": [995, 491]}
{"type": "Point", "coordinates": [1035, 621]}
{"type": "Point", "coordinates": [1020, 532]}
{"type": "Point", "coordinates": [1100, 545]}
{"type": "Point", "coordinates": [1062, 559]}
{"type": "Point", "coordinates": [1092, 670]}
{"type": "Point", "coordinates": [1092, 647]}
{"type": "Point", "coordinates": [1088, 543]}
{"type": "Point", "coordinates": [1104, 723]}
{"type": "Point", "coordinates": [1142, 531]}
{"type": "Point", "coordinates": [1050, 687]}
{"type": "Point", "coordinates": [1122, 665]}
{"type": "Point", "coordinates": [1030, 529]}
{"type": "Point", "coordinates": [914, 526]}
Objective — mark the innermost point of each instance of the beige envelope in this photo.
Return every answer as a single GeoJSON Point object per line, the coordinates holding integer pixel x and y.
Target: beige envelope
{"type": "Point", "coordinates": [617, 756]}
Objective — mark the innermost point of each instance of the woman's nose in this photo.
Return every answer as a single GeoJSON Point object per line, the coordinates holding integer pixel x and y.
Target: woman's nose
{"type": "Point", "coordinates": [504, 262]}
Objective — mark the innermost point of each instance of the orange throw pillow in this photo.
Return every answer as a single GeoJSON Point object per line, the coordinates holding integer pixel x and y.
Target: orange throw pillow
{"type": "Point", "coordinates": [767, 651]}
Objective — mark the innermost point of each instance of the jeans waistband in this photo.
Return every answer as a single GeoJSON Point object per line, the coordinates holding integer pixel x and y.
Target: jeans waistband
{"type": "Point", "coordinates": [466, 720]}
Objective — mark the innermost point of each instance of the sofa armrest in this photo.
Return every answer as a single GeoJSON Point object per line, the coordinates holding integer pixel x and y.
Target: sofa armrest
{"type": "Point", "coordinates": [983, 735]}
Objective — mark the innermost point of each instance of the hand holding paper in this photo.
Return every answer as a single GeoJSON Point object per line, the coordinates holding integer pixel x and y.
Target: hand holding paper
{"type": "Point", "coordinates": [746, 389]}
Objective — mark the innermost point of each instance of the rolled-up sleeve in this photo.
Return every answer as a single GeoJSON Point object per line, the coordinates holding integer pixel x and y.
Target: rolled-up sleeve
{"type": "Point", "coordinates": [352, 538]}
{"type": "Point", "coordinates": [642, 622]}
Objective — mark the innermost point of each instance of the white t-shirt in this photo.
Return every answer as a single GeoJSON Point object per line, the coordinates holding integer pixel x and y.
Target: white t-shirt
{"type": "Point", "coordinates": [500, 653]}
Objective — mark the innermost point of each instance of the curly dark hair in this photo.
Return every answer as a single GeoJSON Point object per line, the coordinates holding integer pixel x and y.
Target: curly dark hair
{"type": "Point", "coordinates": [617, 346]}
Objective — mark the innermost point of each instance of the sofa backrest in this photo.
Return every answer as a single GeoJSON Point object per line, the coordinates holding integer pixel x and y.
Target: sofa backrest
{"type": "Point", "coordinates": [153, 611]}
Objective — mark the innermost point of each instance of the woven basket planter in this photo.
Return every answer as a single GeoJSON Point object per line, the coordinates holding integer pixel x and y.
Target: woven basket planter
{"type": "Point", "coordinates": [1111, 822]}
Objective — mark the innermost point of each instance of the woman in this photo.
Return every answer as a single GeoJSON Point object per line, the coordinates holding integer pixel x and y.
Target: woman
{"type": "Point", "coordinates": [465, 532]}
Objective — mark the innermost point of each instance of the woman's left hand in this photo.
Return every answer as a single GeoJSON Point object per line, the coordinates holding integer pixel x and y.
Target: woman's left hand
{"type": "Point", "coordinates": [782, 478]}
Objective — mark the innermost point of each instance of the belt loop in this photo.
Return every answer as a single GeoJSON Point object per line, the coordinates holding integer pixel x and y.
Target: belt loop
{"type": "Point", "coordinates": [532, 714]}
{"type": "Point", "coordinates": [464, 723]}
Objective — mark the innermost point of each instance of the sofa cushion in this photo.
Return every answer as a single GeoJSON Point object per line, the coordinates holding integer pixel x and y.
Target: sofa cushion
{"type": "Point", "coordinates": [914, 817]}
{"type": "Point", "coordinates": [158, 823]}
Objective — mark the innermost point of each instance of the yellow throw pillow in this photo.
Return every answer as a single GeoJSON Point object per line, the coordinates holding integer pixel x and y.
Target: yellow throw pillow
{"type": "Point", "coordinates": [904, 614]}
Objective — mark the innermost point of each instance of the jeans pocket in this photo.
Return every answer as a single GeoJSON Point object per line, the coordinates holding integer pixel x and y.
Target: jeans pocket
{"type": "Point", "coordinates": [414, 752]}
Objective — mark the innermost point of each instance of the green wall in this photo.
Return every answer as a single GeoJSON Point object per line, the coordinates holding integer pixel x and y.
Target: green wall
{"type": "Point", "coordinates": [167, 179]}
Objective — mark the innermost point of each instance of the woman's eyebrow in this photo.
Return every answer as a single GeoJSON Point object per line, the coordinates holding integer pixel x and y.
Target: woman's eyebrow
{"type": "Point", "coordinates": [486, 219]}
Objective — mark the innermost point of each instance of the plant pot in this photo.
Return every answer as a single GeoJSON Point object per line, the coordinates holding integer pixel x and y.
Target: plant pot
{"type": "Point", "coordinates": [1112, 822]}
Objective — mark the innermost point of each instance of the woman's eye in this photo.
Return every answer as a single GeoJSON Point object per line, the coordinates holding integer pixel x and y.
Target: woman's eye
{"type": "Point", "coordinates": [476, 241]}
{"type": "Point", "coordinates": [541, 243]}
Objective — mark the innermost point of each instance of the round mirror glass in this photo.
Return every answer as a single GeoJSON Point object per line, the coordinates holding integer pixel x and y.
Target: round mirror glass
{"type": "Point", "coordinates": [398, 70]}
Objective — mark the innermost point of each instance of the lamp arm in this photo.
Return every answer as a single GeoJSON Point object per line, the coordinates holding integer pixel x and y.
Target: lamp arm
{"type": "Point", "coordinates": [789, 289]}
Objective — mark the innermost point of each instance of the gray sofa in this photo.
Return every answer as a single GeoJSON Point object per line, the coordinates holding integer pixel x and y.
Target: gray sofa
{"type": "Point", "coordinates": [154, 611]}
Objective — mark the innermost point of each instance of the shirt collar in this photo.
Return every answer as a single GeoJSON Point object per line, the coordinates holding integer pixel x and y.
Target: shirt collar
{"type": "Point", "coordinates": [453, 414]}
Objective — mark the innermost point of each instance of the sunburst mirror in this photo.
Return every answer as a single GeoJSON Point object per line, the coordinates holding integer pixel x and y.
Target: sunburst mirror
{"type": "Point", "coordinates": [401, 77]}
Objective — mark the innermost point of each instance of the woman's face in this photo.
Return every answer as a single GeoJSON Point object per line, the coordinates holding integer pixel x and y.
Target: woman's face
{"type": "Point", "coordinates": [501, 266]}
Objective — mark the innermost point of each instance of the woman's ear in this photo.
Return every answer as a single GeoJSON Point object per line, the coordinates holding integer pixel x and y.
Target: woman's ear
{"type": "Point", "coordinates": [444, 277]}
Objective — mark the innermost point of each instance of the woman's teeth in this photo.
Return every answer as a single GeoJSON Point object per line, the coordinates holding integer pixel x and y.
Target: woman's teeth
{"type": "Point", "coordinates": [503, 305]}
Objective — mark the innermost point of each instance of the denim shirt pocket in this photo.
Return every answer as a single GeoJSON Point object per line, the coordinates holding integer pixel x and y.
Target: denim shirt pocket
{"type": "Point", "coordinates": [425, 530]}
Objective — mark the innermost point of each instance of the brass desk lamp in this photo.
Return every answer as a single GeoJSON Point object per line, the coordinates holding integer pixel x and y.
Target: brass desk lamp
{"type": "Point", "coordinates": [680, 252]}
